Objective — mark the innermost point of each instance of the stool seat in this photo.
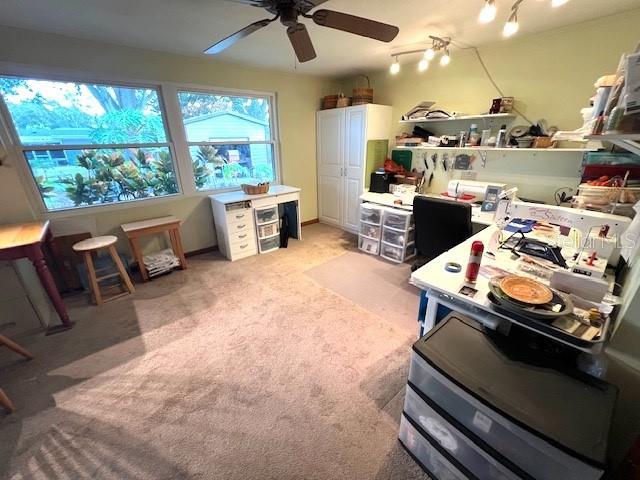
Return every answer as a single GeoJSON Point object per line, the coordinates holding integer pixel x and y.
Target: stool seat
{"type": "Point", "coordinates": [90, 245]}
{"type": "Point", "coordinates": [95, 243]}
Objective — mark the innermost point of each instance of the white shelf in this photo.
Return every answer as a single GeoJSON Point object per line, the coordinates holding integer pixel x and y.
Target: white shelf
{"type": "Point", "coordinates": [461, 118]}
{"type": "Point", "coordinates": [494, 149]}
{"type": "Point", "coordinates": [628, 141]}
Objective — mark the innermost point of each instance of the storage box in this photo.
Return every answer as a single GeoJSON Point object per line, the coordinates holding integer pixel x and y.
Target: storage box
{"type": "Point", "coordinates": [369, 245]}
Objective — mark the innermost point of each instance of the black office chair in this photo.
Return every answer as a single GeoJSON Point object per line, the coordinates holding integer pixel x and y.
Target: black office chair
{"type": "Point", "coordinates": [440, 225]}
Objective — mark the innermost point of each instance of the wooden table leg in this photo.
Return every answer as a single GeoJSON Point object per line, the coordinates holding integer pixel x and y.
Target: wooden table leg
{"type": "Point", "coordinates": [137, 253]}
{"type": "Point", "coordinates": [34, 253]}
{"type": "Point", "coordinates": [176, 244]}
{"type": "Point", "coordinates": [10, 344]}
{"type": "Point", "coordinates": [6, 402]}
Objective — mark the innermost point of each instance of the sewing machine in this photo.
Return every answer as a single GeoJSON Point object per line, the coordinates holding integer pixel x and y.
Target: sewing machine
{"type": "Point", "coordinates": [599, 233]}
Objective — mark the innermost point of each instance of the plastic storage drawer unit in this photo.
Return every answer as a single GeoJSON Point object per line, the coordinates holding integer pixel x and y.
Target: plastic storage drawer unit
{"type": "Point", "coordinates": [368, 245]}
{"type": "Point", "coordinates": [460, 447]}
{"type": "Point", "coordinates": [370, 231]}
{"type": "Point", "coordinates": [426, 454]}
{"type": "Point", "coordinates": [550, 423]}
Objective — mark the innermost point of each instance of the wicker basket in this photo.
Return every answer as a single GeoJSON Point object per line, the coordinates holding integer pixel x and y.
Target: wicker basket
{"type": "Point", "coordinates": [363, 95]}
{"type": "Point", "coordinates": [255, 189]}
{"type": "Point", "coordinates": [330, 101]}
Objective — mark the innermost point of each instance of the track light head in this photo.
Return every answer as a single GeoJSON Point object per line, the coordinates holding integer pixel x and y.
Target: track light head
{"type": "Point", "coordinates": [488, 12]}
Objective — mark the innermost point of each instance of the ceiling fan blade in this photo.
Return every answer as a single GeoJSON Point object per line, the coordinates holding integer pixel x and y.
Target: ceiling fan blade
{"type": "Point", "coordinates": [357, 25]}
{"type": "Point", "coordinates": [301, 42]}
{"type": "Point", "coordinates": [239, 35]}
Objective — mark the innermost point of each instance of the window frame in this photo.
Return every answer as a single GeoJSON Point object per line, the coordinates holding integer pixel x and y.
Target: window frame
{"type": "Point", "coordinates": [176, 140]}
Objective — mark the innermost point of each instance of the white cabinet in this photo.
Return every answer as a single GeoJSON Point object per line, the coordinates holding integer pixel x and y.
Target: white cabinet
{"type": "Point", "coordinates": [342, 138]}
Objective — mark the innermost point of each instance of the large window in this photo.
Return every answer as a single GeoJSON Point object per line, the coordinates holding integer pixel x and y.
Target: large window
{"type": "Point", "coordinates": [230, 138]}
{"type": "Point", "coordinates": [89, 144]}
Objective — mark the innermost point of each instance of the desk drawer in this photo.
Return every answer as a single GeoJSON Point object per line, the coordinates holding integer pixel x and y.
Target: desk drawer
{"type": "Point", "coordinates": [243, 248]}
{"type": "Point", "coordinates": [477, 461]}
{"type": "Point", "coordinates": [287, 197]}
{"type": "Point", "coordinates": [524, 449]}
{"type": "Point", "coordinates": [242, 236]}
{"type": "Point", "coordinates": [241, 226]}
{"type": "Point", "coordinates": [239, 215]}
{"type": "Point", "coordinates": [426, 454]}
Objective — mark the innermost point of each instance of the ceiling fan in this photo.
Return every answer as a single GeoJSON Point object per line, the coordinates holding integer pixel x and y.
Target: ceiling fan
{"type": "Point", "coordinates": [288, 11]}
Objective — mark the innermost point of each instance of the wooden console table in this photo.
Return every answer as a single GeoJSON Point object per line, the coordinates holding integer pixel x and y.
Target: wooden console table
{"type": "Point", "coordinates": [135, 230]}
{"type": "Point", "coordinates": [25, 241]}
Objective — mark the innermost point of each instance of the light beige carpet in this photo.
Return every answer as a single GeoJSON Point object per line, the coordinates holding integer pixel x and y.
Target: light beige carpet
{"type": "Point", "coordinates": [244, 370]}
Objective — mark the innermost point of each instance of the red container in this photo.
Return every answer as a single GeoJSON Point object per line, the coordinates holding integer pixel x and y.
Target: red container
{"type": "Point", "coordinates": [473, 267]}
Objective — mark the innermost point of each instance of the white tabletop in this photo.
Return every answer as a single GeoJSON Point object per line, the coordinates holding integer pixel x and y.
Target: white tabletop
{"type": "Point", "coordinates": [240, 196]}
{"type": "Point", "coordinates": [387, 199]}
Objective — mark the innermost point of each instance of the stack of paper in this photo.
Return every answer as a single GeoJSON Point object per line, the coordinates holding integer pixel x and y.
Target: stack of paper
{"type": "Point", "coordinates": [160, 262]}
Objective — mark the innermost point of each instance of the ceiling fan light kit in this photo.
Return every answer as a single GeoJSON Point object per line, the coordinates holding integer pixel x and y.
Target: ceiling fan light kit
{"type": "Point", "coordinates": [438, 44]}
{"type": "Point", "coordinates": [289, 12]}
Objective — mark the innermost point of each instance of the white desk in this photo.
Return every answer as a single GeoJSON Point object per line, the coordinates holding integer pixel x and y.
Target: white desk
{"type": "Point", "coordinates": [442, 288]}
{"type": "Point", "coordinates": [233, 215]}
{"type": "Point", "coordinates": [477, 216]}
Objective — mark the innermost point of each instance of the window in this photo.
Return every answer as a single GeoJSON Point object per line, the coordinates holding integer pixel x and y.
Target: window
{"type": "Point", "coordinates": [230, 138]}
{"type": "Point", "coordinates": [89, 144]}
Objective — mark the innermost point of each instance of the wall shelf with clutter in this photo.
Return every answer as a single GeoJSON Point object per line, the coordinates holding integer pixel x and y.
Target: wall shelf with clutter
{"type": "Point", "coordinates": [461, 118]}
{"type": "Point", "coordinates": [628, 141]}
{"type": "Point", "coordinates": [503, 150]}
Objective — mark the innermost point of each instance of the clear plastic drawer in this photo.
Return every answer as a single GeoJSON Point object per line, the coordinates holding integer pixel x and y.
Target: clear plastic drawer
{"type": "Point", "coordinates": [398, 219]}
{"type": "Point", "coordinates": [269, 244]}
{"type": "Point", "coordinates": [525, 449]}
{"type": "Point", "coordinates": [369, 245]}
{"type": "Point", "coordinates": [370, 213]}
{"type": "Point", "coordinates": [268, 230]}
{"type": "Point", "coordinates": [477, 461]}
{"type": "Point", "coordinates": [395, 253]}
{"type": "Point", "coordinates": [398, 237]}
{"type": "Point", "coordinates": [266, 215]}
{"type": "Point", "coordinates": [427, 455]}
{"type": "Point", "coordinates": [370, 231]}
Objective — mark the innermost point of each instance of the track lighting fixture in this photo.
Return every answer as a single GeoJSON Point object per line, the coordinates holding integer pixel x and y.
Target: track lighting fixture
{"type": "Point", "coordinates": [438, 44]}
{"type": "Point", "coordinates": [395, 67]}
{"type": "Point", "coordinates": [512, 26]}
{"type": "Point", "coordinates": [488, 12]}
{"type": "Point", "coordinates": [558, 3]}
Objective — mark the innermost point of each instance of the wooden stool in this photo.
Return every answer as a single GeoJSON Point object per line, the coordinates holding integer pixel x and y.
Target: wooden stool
{"type": "Point", "coordinates": [90, 245]}
{"type": "Point", "coordinates": [4, 399]}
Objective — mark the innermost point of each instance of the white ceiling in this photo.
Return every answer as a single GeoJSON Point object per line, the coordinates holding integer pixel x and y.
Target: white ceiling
{"type": "Point", "coordinates": [189, 26]}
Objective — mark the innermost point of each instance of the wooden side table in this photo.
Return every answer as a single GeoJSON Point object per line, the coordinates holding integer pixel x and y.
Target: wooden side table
{"type": "Point", "coordinates": [135, 230]}
{"type": "Point", "coordinates": [26, 240]}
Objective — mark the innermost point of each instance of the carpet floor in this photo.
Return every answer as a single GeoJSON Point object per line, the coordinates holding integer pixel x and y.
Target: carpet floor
{"type": "Point", "coordinates": [266, 368]}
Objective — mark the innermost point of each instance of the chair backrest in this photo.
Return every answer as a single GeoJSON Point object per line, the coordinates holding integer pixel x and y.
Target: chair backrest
{"type": "Point", "coordinates": [440, 224]}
